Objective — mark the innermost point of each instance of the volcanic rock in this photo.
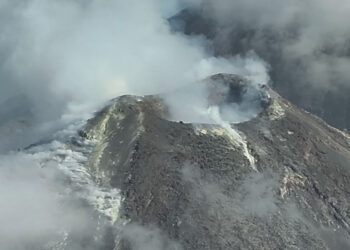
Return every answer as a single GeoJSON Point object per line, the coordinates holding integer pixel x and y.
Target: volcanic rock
{"type": "Point", "coordinates": [278, 181]}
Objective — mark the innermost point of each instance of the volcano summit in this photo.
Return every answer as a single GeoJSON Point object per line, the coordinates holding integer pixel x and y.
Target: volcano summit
{"type": "Point", "coordinates": [276, 181]}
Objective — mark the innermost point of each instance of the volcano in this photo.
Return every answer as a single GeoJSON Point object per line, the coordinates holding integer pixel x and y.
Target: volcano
{"type": "Point", "coordinates": [279, 181]}
{"type": "Point", "coordinates": [144, 178]}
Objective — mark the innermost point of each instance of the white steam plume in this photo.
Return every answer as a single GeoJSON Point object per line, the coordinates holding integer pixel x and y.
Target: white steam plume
{"type": "Point", "coordinates": [307, 43]}
{"type": "Point", "coordinates": [67, 56]}
{"type": "Point", "coordinates": [86, 51]}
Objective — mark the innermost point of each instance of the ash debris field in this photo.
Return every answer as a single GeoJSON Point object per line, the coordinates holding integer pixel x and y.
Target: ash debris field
{"type": "Point", "coordinates": [277, 181]}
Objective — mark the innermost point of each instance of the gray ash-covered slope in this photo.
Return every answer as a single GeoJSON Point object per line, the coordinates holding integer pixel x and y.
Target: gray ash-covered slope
{"type": "Point", "coordinates": [278, 181]}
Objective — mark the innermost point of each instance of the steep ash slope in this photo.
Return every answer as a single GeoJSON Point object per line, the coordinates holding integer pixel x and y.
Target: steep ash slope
{"type": "Point", "coordinates": [278, 181]}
